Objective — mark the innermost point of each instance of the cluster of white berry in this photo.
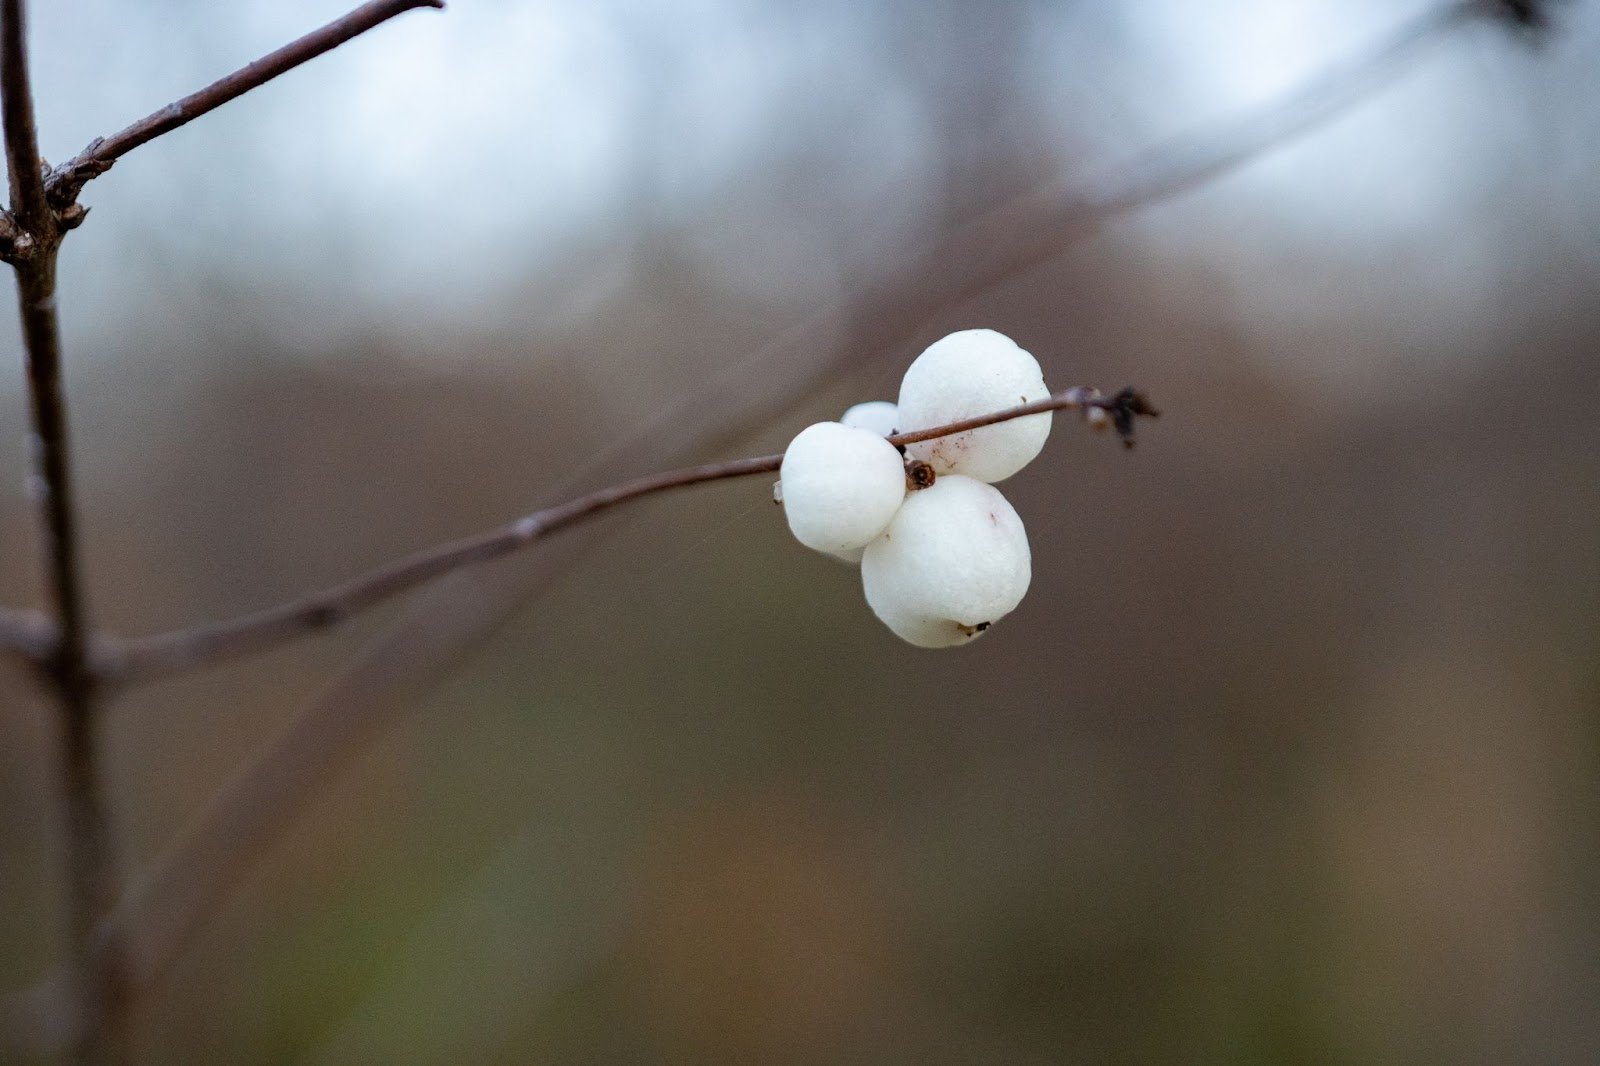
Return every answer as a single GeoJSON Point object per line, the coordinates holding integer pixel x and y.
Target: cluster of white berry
{"type": "Point", "coordinates": [942, 554]}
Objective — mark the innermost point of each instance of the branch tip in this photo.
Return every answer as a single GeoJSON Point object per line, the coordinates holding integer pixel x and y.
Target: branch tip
{"type": "Point", "coordinates": [1124, 409]}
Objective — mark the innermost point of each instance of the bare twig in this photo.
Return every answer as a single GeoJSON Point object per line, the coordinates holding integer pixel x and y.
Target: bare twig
{"type": "Point", "coordinates": [92, 881]}
{"type": "Point", "coordinates": [69, 179]}
{"type": "Point", "coordinates": [182, 650]}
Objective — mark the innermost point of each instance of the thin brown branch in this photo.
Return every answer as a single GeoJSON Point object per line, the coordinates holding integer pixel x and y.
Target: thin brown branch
{"type": "Point", "coordinates": [92, 881]}
{"type": "Point", "coordinates": [187, 649]}
{"type": "Point", "coordinates": [69, 178]}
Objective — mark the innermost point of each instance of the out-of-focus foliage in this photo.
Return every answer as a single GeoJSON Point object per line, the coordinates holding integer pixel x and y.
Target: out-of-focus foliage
{"type": "Point", "coordinates": [1290, 755]}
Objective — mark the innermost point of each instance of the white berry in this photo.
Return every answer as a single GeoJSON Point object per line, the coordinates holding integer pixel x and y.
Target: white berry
{"type": "Point", "coordinates": [880, 416]}
{"type": "Point", "coordinates": [954, 560]}
{"type": "Point", "coordinates": [974, 372]}
{"type": "Point", "coordinates": [840, 486]}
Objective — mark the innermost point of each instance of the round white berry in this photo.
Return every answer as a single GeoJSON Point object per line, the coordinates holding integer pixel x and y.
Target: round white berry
{"type": "Point", "coordinates": [954, 560]}
{"type": "Point", "coordinates": [974, 372]}
{"type": "Point", "coordinates": [840, 486]}
{"type": "Point", "coordinates": [880, 416]}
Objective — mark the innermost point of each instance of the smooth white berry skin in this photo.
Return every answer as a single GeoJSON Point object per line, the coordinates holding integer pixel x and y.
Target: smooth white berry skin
{"type": "Point", "coordinates": [880, 416]}
{"type": "Point", "coordinates": [954, 559]}
{"type": "Point", "coordinates": [840, 486]}
{"type": "Point", "coordinates": [974, 372]}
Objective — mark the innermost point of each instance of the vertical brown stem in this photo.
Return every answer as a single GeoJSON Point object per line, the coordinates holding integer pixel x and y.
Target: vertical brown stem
{"type": "Point", "coordinates": [90, 871]}
{"type": "Point", "coordinates": [91, 877]}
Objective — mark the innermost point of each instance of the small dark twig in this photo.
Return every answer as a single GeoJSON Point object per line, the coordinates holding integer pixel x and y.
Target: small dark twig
{"type": "Point", "coordinates": [167, 653]}
{"type": "Point", "coordinates": [1124, 408]}
{"type": "Point", "coordinates": [68, 180]}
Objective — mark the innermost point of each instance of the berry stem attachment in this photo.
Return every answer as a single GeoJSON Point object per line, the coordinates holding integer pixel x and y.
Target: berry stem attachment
{"type": "Point", "coordinates": [919, 475]}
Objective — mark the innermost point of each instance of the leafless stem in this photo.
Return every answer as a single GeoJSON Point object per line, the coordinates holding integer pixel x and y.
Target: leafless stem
{"type": "Point", "coordinates": [168, 653]}
{"type": "Point", "coordinates": [69, 179]}
{"type": "Point", "coordinates": [92, 882]}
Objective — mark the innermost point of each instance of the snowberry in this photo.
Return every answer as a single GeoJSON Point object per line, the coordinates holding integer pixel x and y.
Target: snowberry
{"type": "Point", "coordinates": [954, 560]}
{"type": "Point", "coordinates": [974, 372]}
{"type": "Point", "coordinates": [840, 486]}
{"type": "Point", "coordinates": [880, 416]}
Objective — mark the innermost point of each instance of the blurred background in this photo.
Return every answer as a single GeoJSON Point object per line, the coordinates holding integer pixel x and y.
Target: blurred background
{"type": "Point", "coordinates": [1291, 755]}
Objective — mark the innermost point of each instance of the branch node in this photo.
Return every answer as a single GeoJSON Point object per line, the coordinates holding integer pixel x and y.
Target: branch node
{"type": "Point", "coordinates": [71, 216]}
{"type": "Point", "coordinates": [15, 243]}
